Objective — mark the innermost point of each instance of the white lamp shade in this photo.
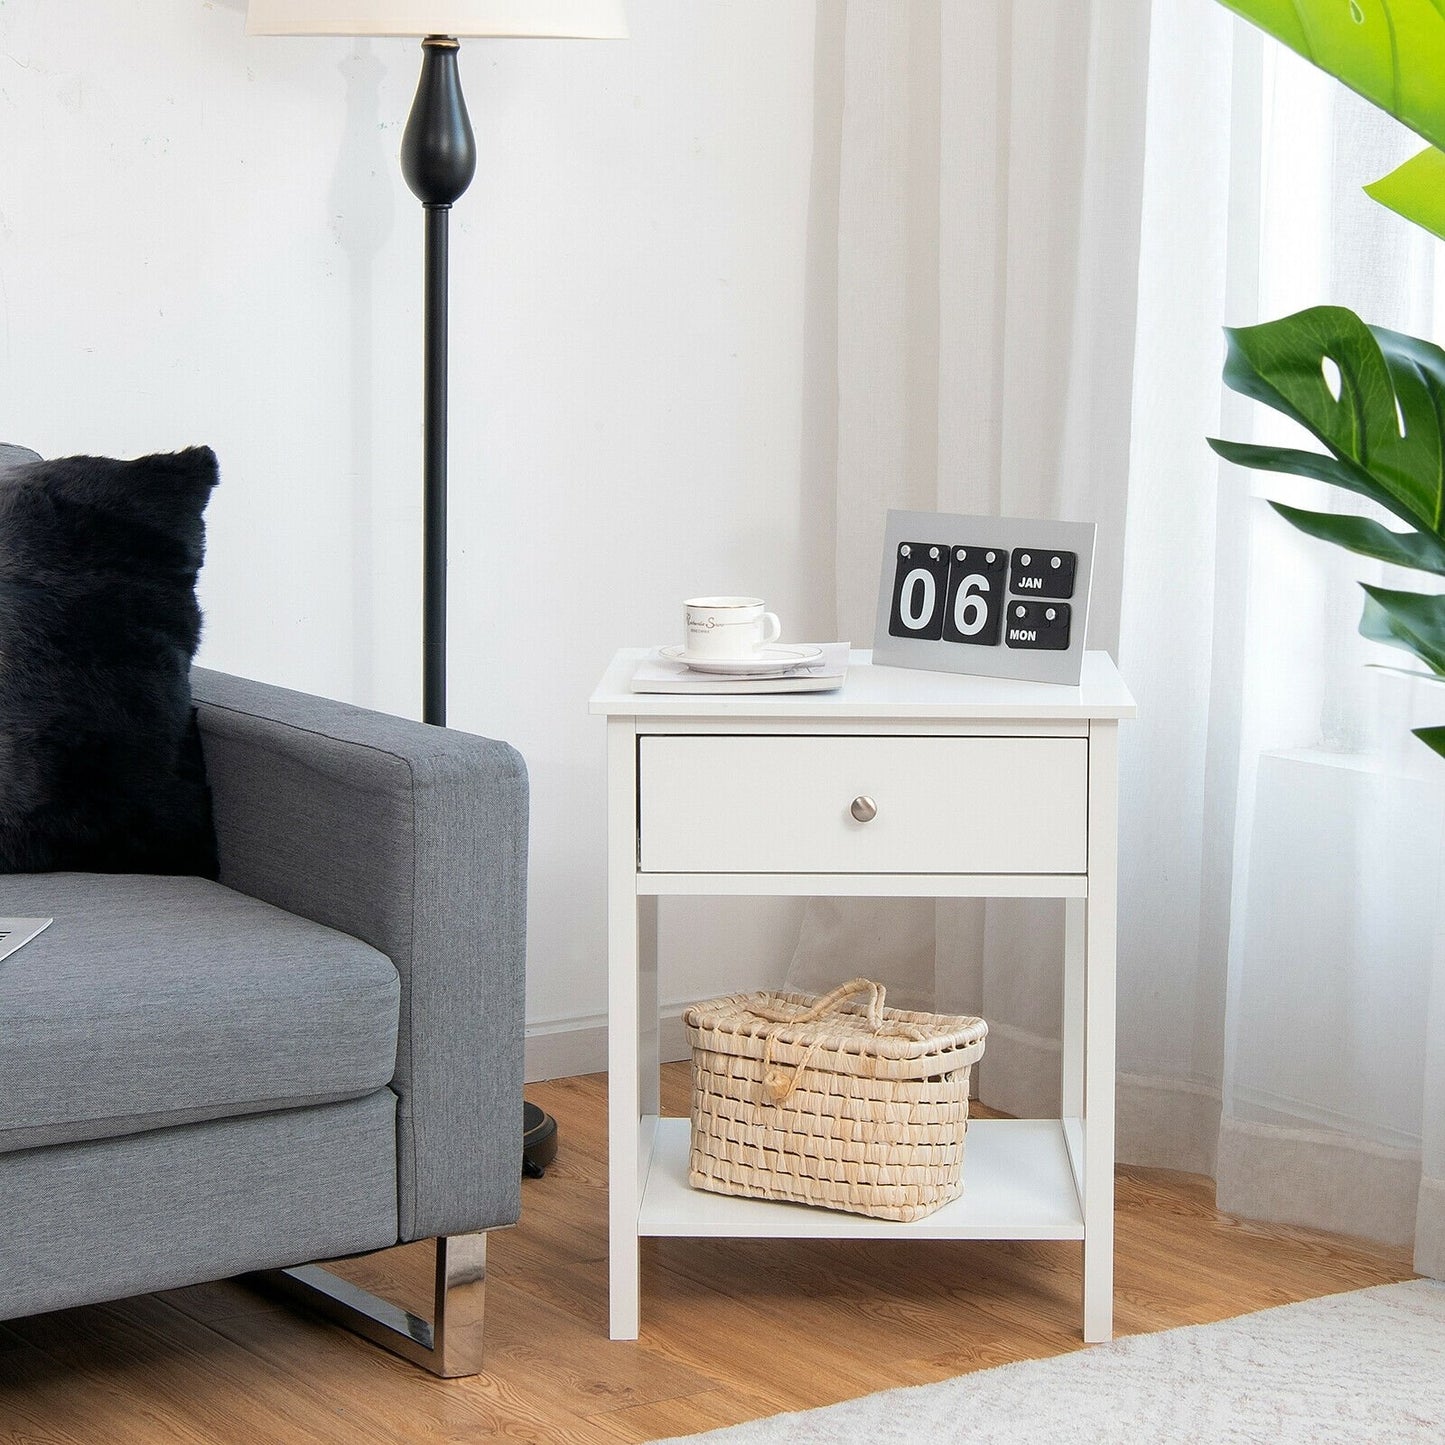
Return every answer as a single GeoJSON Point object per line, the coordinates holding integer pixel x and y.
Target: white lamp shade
{"type": "Point", "coordinates": [515, 19]}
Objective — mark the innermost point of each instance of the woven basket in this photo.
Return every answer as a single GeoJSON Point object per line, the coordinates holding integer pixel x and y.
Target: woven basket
{"type": "Point", "coordinates": [821, 1101]}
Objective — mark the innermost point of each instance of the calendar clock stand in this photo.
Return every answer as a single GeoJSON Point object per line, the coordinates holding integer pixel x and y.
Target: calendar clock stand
{"type": "Point", "coordinates": [979, 787]}
{"type": "Point", "coordinates": [988, 596]}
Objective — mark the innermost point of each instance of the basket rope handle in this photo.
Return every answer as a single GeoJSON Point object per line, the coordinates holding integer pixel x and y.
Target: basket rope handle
{"type": "Point", "coordinates": [829, 1002]}
{"type": "Point", "coordinates": [775, 1080]}
{"type": "Point", "coordinates": [779, 1084]}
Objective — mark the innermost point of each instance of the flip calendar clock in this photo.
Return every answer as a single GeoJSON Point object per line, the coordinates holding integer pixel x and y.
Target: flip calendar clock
{"type": "Point", "coordinates": [994, 596]}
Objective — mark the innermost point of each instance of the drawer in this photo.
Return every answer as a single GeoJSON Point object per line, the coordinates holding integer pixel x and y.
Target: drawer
{"type": "Point", "coordinates": [750, 804]}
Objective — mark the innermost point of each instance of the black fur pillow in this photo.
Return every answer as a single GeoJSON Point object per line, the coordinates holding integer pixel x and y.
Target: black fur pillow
{"type": "Point", "coordinates": [100, 759]}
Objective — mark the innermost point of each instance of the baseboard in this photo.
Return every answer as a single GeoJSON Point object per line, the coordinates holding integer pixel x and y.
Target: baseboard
{"type": "Point", "coordinates": [563, 1047]}
{"type": "Point", "coordinates": [1019, 1073]}
{"type": "Point", "coordinates": [1167, 1123]}
{"type": "Point", "coordinates": [1318, 1179]}
{"type": "Point", "coordinates": [1430, 1229]}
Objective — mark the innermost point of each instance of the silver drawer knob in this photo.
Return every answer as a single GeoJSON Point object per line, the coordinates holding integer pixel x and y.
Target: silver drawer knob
{"type": "Point", "coordinates": [864, 809]}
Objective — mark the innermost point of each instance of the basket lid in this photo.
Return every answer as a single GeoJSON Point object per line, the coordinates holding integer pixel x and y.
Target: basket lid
{"type": "Point", "coordinates": [852, 1018]}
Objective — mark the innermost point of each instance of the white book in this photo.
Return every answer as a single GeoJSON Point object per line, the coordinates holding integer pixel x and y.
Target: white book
{"type": "Point", "coordinates": [17, 932]}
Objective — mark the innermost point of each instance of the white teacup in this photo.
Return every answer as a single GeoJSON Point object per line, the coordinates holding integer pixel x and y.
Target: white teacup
{"type": "Point", "coordinates": [727, 627]}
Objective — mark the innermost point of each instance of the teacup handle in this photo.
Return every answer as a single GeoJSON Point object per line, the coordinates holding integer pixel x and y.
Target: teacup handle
{"type": "Point", "coordinates": [772, 628]}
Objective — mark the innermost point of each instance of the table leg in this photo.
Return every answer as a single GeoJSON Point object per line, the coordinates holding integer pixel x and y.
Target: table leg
{"type": "Point", "coordinates": [649, 1055]}
{"type": "Point", "coordinates": [1100, 937]}
{"type": "Point", "coordinates": [623, 1101]}
{"type": "Point", "coordinates": [1071, 1082]}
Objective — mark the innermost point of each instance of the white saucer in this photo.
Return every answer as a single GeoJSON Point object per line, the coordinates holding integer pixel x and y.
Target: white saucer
{"type": "Point", "coordinates": [764, 661]}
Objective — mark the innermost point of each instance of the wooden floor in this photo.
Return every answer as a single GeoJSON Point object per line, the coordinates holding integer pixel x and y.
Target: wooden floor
{"type": "Point", "coordinates": [731, 1330]}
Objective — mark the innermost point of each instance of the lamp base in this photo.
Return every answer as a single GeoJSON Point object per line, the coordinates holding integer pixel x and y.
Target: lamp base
{"type": "Point", "coordinates": [539, 1141]}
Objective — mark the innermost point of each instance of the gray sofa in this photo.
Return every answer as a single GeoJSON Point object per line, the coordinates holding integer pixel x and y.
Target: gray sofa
{"type": "Point", "coordinates": [320, 1055]}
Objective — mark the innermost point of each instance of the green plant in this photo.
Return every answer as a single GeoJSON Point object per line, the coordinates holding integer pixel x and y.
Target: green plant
{"type": "Point", "coordinates": [1392, 52]}
{"type": "Point", "coordinates": [1382, 413]}
{"type": "Point", "coordinates": [1382, 378]}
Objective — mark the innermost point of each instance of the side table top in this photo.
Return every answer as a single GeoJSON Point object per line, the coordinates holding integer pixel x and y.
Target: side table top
{"type": "Point", "coordinates": [881, 692]}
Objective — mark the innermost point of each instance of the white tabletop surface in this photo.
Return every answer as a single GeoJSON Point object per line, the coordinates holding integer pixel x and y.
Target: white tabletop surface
{"type": "Point", "coordinates": [895, 692]}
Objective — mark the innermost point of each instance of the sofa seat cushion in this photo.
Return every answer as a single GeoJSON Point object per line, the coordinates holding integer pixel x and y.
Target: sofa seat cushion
{"type": "Point", "coordinates": [153, 1001]}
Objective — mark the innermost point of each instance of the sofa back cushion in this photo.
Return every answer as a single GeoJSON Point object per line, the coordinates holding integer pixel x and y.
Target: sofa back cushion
{"type": "Point", "coordinates": [100, 759]}
{"type": "Point", "coordinates": [13, 456]}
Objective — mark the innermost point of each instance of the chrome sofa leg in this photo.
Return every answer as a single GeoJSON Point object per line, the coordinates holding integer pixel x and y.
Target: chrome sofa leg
{"type": "Point", "coordinates": [449, 1344]}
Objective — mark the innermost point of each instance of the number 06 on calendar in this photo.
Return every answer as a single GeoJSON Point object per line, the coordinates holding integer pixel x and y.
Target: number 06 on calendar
{"type": "Point", "coordinates": [994, 596]}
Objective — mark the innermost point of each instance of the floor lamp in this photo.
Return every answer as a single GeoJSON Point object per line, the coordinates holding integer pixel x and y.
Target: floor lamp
{"type": "Point", "coordinates": [438, 159]}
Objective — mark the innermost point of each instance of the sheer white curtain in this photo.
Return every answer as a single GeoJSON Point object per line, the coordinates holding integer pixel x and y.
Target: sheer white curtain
{"type": "Point", "coordinates": [1281, 912]}
{"type": "Point", "coordinates": [1026, 295]}
{"type": "Point", "coordinates": [987, 217]}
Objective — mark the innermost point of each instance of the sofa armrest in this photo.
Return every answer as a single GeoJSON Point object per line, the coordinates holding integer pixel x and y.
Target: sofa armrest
{"type": "Point", "coordinates": [413, 839]}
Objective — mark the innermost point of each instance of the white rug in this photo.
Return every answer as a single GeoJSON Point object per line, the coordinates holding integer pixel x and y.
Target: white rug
{"type": "Point", "coordinates": [1367, 1368]}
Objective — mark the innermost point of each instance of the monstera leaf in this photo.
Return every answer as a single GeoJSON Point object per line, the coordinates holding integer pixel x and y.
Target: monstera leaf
{"type": "Point", "coordinates": [1376, 400]}
{"type": "Point", "coordinates": [1412, 620]}
{"type": "Point", "coordinates": [1393, 53]}
{"type": "Point", "coordinates": [1416, 190]}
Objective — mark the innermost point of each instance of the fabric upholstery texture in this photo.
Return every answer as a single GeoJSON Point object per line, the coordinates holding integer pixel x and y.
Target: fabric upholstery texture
{"type": "Point", "coordinates": [155, 1000]}
{"type": "Point", "coordinates": [413, 839]}
{"type": "Point", "coordinates": [100, 762]}
{"type": "Point", "coordinates": [115, 1217]}
{"type": "Point", "coordinates": [13, 456]}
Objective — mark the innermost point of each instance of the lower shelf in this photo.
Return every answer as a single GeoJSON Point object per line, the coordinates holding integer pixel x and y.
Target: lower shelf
{"type": "Point", "coordinates": [1017, 1184]}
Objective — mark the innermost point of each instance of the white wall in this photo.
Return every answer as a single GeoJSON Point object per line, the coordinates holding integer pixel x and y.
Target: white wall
{"type": "Point", "coordinates": [205, 238]}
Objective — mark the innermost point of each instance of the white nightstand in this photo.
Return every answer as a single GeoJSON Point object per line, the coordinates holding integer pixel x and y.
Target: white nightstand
{"type": "Point", "coordinates": [982, 788]}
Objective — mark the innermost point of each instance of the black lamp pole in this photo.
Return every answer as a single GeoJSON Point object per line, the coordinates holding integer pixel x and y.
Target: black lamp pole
{"type": "Point", "coordinates": [438, 159]}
